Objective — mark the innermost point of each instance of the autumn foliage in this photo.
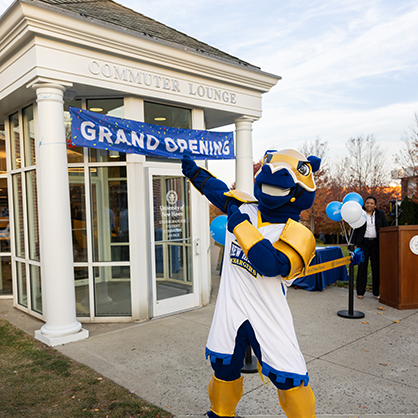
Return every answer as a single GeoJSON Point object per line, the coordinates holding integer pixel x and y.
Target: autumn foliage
{"type": "Point", "coordinates": [331, 188]}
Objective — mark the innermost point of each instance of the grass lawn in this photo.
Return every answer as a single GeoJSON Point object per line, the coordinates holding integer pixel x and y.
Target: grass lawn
{"type": "Point", "coordinates": [38, 382]}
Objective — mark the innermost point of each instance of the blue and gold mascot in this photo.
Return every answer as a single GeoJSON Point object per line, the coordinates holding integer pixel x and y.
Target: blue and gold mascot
{"type": "Point", "coordinates": [266, 248]}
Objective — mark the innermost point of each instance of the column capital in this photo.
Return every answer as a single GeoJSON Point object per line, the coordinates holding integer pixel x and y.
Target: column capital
{"type": "Point", "coordinates": [55, 88]}
{"type": "Point", "coordinates": [48, 82]}
{"type": "Point", "coordinates": [247, 119]}
{"type": "Point", "coordinates": [48, 86]}
{"type": "Point", "coordinates": [49, 92]}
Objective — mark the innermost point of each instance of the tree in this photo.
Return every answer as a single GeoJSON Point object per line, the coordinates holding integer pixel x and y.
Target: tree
{"type": "Point", "coordinates": [407, 158]}
{"type": "Point", "coordinates": [365, 165]}
{"type": "Point", "coordinates": [409, 215]}
{"type": "Point", "coordinates": [362, 171]}
{"type": "Point", "coordinates": [315, 218]}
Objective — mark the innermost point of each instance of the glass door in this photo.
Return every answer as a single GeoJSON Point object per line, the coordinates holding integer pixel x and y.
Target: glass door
{"type": "Point", "coordinates": [174, 250]}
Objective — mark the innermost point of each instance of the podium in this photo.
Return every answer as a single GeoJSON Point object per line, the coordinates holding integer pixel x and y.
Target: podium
{"type": "Point", "coordinates": [399, 266]}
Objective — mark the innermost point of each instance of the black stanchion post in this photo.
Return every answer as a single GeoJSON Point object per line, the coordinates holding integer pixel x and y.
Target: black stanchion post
{"type": "Point", "coordinates": [250, 364]}
{"type": "Point", "coordinates": [351, 313]}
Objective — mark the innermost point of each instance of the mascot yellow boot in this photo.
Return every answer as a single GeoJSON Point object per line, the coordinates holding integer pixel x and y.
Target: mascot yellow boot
{"type": "Point", "coordinates": [298, 402]}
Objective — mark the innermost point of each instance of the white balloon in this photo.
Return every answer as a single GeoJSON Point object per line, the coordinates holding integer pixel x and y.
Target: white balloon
{"type": "Point", "coordinates": [360, 222]}
{"type": "Point", "coordinates": [351, 211]}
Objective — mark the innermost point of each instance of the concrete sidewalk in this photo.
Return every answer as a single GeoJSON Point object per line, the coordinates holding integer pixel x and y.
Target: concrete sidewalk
{"type": "Point", "coordinates": [358, 367]}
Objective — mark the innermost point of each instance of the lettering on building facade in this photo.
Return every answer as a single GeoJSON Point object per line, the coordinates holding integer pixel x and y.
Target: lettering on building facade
{"type": "Point", "coordinates": [159, 82]}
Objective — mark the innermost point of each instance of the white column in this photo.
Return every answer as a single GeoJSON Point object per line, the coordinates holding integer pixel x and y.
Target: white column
{"type": "Point", "coordinates": [205, 278]}
{"type": "Point", "coordinates": [244, 155]}
{"type": "Point", "coordinates": [58, 293]}
{"type": "Point", "coordinates": [138, 220]}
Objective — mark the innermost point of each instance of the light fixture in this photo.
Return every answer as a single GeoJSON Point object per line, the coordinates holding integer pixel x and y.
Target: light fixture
{"type": "Point", "coordinates": [96, 109]}
{"type": "Point", "coordinates": [114, 154]}
{"type": "Point", "coordinates": [160, 118]}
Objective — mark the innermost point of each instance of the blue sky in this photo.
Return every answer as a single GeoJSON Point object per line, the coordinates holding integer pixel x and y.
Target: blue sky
{"type": "Point", "coordinates": [349, 67]}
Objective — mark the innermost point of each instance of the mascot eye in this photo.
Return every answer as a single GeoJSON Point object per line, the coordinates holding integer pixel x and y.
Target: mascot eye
{"type": "Point", "coordinates": [304, 169]}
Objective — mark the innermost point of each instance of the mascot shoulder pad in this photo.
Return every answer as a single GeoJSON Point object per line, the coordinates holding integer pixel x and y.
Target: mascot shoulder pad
{"type": "Point", "coordinates": [298, 244]}
{"type": "Point", "coordinates": [241, 196]}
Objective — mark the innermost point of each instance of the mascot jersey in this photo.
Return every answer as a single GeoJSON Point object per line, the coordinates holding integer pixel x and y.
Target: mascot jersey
{"type": "Point", "coordinates": [244, 294]}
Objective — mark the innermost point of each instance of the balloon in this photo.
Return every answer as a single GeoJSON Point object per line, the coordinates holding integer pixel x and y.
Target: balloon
{"type": "Point", "coordinates": [360, 222]}
{"type": "Point", "coordinates": [333, 211]}
{"type": "Point", "coordinates": [353, 197]}
{"type": "Point", "coordinates": [218, 229]}
{"type": "Point", "coordinates": [351, 211]}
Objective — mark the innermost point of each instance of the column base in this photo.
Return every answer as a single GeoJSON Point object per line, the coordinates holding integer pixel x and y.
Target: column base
{"type": "Point", "coordinates": [53, 341]}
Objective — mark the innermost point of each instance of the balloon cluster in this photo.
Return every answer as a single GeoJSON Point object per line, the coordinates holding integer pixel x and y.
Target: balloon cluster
{"type": "Point", "coordinates": [218, 229]}
{"type": "Point", "coordinates": [350, 210]}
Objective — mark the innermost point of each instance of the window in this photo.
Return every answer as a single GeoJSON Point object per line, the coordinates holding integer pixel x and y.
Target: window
{"type": "Point", "coordinates": [26, 251]}
{"type": "Point", "coordinates": [3, 166]}
{"type": "Point", "coordinates": [164, 115]}
{"type": "Point", "coordinates": [29, 136]}
{"type": "Point", "coordinates": [15, 140]}
{"type": "Point", "coordinates": [109, 201]}
{"type": "Point", "coordinates": [99, 217]}
{"type": "Point", "coordinates": [5, 260]}
{"type": "Point", "coordinates": [74, 154]}
{"type": "Point", "coordinates": [111, 107]}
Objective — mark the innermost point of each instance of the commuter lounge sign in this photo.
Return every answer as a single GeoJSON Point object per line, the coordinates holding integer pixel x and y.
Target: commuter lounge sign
{"type": "Point", "coordinates": [94, 130]}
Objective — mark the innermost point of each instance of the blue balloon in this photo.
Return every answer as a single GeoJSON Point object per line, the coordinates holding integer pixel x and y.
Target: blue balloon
{"type": "Point", "coordinates": [333, 211]}
{"type": "Point", "coordinates": [353, 196]}
{"type": "Point", "coordinates": [218, 229]}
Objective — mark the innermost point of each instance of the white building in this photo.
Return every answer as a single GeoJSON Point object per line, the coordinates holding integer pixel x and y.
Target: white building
{"type": "Point", "coordinates": [90, 236]}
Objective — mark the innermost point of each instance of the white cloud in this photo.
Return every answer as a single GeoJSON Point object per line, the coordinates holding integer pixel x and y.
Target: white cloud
{"type": "Point", "coordinates": [349, 67]}
{"type": "Point", "coordinates": [335, 126]}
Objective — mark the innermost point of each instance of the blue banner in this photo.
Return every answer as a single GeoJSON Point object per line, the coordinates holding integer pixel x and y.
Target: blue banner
{"type": "Point", "coordinates": [94, 130]}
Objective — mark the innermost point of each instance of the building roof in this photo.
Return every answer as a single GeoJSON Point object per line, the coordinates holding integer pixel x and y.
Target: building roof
{"type": "Point", "coordinates": [113, 13]}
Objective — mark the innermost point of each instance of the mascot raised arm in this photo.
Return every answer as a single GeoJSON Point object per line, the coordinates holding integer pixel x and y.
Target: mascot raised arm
{"type": "Point", "coordinates": [266, 248]}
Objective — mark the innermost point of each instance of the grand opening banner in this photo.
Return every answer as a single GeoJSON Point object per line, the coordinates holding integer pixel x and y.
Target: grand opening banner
{"type": "Point", "coordinates": [94, 130]}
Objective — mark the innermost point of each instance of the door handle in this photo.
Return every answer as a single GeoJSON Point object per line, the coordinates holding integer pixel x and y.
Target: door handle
{"type": "Point", "coordinates": [197, 246]}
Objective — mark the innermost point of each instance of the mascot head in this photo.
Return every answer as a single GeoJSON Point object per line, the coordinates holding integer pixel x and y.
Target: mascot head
{"type": "Point", "coordinates": [285, 186]}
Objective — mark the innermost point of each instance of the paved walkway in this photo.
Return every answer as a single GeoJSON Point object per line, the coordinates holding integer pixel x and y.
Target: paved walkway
{"type": "Point", "coordinates": [358, 367]}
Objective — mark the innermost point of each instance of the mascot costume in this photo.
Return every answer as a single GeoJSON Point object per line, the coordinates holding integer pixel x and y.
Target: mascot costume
{"type": "Point", "coordinates": [266, 248]}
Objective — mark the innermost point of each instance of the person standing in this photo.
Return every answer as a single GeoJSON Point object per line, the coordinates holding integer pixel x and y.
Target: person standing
{"type": "Point", "coordinates": [367, 238]}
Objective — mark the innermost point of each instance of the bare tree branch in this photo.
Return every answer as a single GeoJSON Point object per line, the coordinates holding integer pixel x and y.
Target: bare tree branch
{"type": "Point", "coordinates": [365, 164]}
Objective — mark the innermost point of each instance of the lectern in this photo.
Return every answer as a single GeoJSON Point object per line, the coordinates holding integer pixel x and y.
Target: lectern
{"type": "Point", "coordinates": [399, 266]}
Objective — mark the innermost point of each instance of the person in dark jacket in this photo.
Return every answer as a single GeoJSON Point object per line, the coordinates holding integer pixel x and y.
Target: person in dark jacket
{"type": "Point", "coordinates": [367, 238]}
